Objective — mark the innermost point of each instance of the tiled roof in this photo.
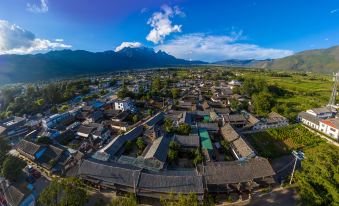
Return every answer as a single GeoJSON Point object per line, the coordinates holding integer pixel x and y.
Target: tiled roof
{"type": "Point", "coordinates": [219, 173]}
{"type": "Point", "coordinates": [159, 149]}
{"type": "Point", "coordinates": [191, 140]}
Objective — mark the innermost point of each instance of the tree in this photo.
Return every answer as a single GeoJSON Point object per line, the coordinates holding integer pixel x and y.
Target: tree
{"type": "Point", "coordinates": [135, 118]}
{"type": "Point", "coordinates": [4, 148]}
{"type": "Point", "coordinates": [51, 194]}
{"type": "Point", "coordinates": [183, 129]}
{"type": "Point", "coordinates": [40, 102]}
{"type": "Point", "coordinates": [172, 155]}
{"type": "Point", "coordinates": [168, 125]}
{"type": "Point", "coordinates": [140, 144]}
{"type": "Point", "coordinates": [12, 167]}
{"type": "Point", "coordinates": [65, 192]}
{"type": "Point", "coordinates": [54, 110]}
{"type": "Point", "coordinates": [234, 104]}
{"type": "Point", "coordinates": [156, 85]}
{"type": "Point", "coordinates": [263, 102]}
{"type": "Point", "coordinates": [180, 200]}
{"type": "Point", "coordinates": [174, 145]}
{"type": "Point", "coordinates": [128, 145]}
{"type": "Point", "coordinates": [252, 86]}
{"type": "Point", "coordinates": [226, 146]}
{"type": "Point", "coordinates": [64, 108]}
{"type": "Point", "coordinates": [198, 157]}
{"type": "Point", "coordinates": [318, 180]}
{"type": "Point", "coordinates": [128, 200]}
{"type": "Point", "coordinates": [175, 93]}
{"type": "Point", "coordinates": [44, 140]}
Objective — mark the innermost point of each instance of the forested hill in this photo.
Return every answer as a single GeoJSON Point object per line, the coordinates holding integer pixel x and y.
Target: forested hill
{"type": "Point", "coordinates": [318, 60]}
{"type": "Point", "coordinates": [65, 63]}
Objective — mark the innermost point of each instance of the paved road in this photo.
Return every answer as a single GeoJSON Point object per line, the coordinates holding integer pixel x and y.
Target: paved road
{"type": "Point", "coordinates": [286, 197]}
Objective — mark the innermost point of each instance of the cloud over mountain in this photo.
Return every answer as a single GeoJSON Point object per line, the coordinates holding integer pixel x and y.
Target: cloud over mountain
{"type": "Point", "coordinates": [16, 40]}
{"type": "Point", "coordinates": [218, 47]}
{"type": "Point", "coordinates": [127, 44]}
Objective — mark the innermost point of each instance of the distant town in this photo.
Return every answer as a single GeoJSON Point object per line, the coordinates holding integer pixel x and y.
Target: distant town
{"type": "Point", "coordinates": [215, 135]}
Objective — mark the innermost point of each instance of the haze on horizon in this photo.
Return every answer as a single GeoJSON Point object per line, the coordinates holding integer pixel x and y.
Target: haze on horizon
{"type": "Point", "coordinates": [193, 30]}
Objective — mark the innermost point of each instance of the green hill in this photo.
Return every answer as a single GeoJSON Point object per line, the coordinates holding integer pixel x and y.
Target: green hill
{"type": "Point", "coordinates": [318, 60]}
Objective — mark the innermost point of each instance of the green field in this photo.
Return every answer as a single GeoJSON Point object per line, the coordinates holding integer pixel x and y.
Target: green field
{"type": "Point", "coordinates": [281, 141]}
{"type": "Point", "coordinates": [303, 92]}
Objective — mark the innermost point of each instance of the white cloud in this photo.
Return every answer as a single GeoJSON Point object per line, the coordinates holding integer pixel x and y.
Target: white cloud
{"type": "Point", "coordinates": [42, 8]}
{"type": "Point", "coordinates": [334, 11]}
{"type": "Point", "coordinates": [199, 46]}
{"type": "Point", "coordinates": [15, 40]}
{"type": "Point", "coordinates": [127, 44]}
{"type": "Point", "coordinates": [162, 25]}
{"type": "Point", "coordinates": [59, 40]}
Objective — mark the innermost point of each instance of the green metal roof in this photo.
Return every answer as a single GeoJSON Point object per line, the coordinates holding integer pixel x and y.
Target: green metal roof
{"type": "Point", "coordinates": [205, 140]}
{"type": "Point", "coordinates": [207, 118]}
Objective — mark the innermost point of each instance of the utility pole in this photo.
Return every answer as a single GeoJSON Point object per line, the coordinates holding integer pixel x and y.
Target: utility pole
{"type": "Point", "coordinates": [298, 156]}
{"type": "Point", "coordinates": [332, 101]}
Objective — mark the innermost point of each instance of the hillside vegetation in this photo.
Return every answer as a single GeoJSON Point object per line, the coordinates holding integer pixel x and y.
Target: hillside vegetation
{"type": "Point", "coordinates": [319, 60]}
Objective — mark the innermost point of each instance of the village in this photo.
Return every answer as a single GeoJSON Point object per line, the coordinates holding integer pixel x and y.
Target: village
{"type": "Point", "coordinates": [188, 137]}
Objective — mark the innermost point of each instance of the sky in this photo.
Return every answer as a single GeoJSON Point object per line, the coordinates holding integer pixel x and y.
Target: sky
{"type": "Point", "coordinates": [190, 29]}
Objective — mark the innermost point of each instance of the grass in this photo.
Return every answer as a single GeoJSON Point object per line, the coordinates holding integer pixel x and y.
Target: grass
{"type": "Point", "coordinates": [303, 92]}
{"type": "Point", "coordinates": [277, 142]}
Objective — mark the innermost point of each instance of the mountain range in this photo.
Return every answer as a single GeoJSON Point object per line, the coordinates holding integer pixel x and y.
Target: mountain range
{"type": "Point", "coordinates": [67, 63]}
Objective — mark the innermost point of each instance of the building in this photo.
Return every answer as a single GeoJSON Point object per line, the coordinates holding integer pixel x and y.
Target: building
{"type": "Point", "coordinates": [157, 153]}
{"type": "Point", "coordinates": [132, 179]}
{"type": "Point", "coordinates": [187, 142]}
{"type": "Point", "coordinates": [330, 127]}
{"type": "Point", "coordinates": [309, 120]}
{"type": "Point", "coordinates": [56, 119]}
{"type": "Point", "coordinates": [243, 176]}
{"type": "Point", "coordinates": [124, 104]}
{"type": "Point", "coordinates": [322, 112]}
{"type": "Point", "coordinates": [273, 120]}
{"type": "Point", "coordinates": [17, 194]}
{"type": "Point", "coordinates": [117, 143]}
{"type": "Point", "coordinates": [13, 128]}
{"type": "Point", "coordinates": [240, 148]}
{"type": "Point", "coordinates": [237, 120]}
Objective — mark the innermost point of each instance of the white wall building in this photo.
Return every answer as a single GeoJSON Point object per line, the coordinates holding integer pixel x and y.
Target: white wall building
{"type": "Point", "coordinates": [124, 104]}
{"type": "Point", "coordinates": [322, 112]}
{"type": "Point", "coordinates": [330, 127]}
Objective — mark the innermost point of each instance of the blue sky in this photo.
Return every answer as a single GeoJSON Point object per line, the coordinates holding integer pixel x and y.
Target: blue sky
{"type": "Point", "coordinates": [190, 29]}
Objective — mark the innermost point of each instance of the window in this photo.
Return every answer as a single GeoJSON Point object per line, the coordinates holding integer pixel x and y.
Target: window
{"type": "Point", "coordinates": [332, 129]}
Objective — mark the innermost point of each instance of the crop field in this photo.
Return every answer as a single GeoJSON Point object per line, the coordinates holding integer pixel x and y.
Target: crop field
{"type": "Point", "coordinates": [281, 141]}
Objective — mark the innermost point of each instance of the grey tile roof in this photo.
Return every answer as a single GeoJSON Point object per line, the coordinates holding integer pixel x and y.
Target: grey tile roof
{"type": "Point", "coordinates": [159, 149]}
{"type": "Point", "coordinates": [321, 110]}
{"type": "Point", "coordinates": [166, 182]}
{"type": "Point", "coordinates": [208, 126]}
{"type": "Point", "coordinates": [234, 118]}
{"type": "Point", "coordinates": [109, 173]}
{"type": "Point", "coordinates": [228, 133]}
{"type": "Point", "coordinates": [155, 119]}
{"type": "Point", "coordinates": [13, 195]}
{"type": "Point", "coordinates": [191, 140]}
{"type": "Point", "coordinates": [236, 171]}
{"type": "Point", "coordinates": [309, 117]}
{"type": "Point", "coordinates": [242, 149]}
{"type": "Point", "coordinates": [28, 148]}
{"type": "Point", "coordinates": [274, 117]}
{"type": "Point", "coordinates": [85, 129]}
{"type": "Point", "coordinates": [115, 145]}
